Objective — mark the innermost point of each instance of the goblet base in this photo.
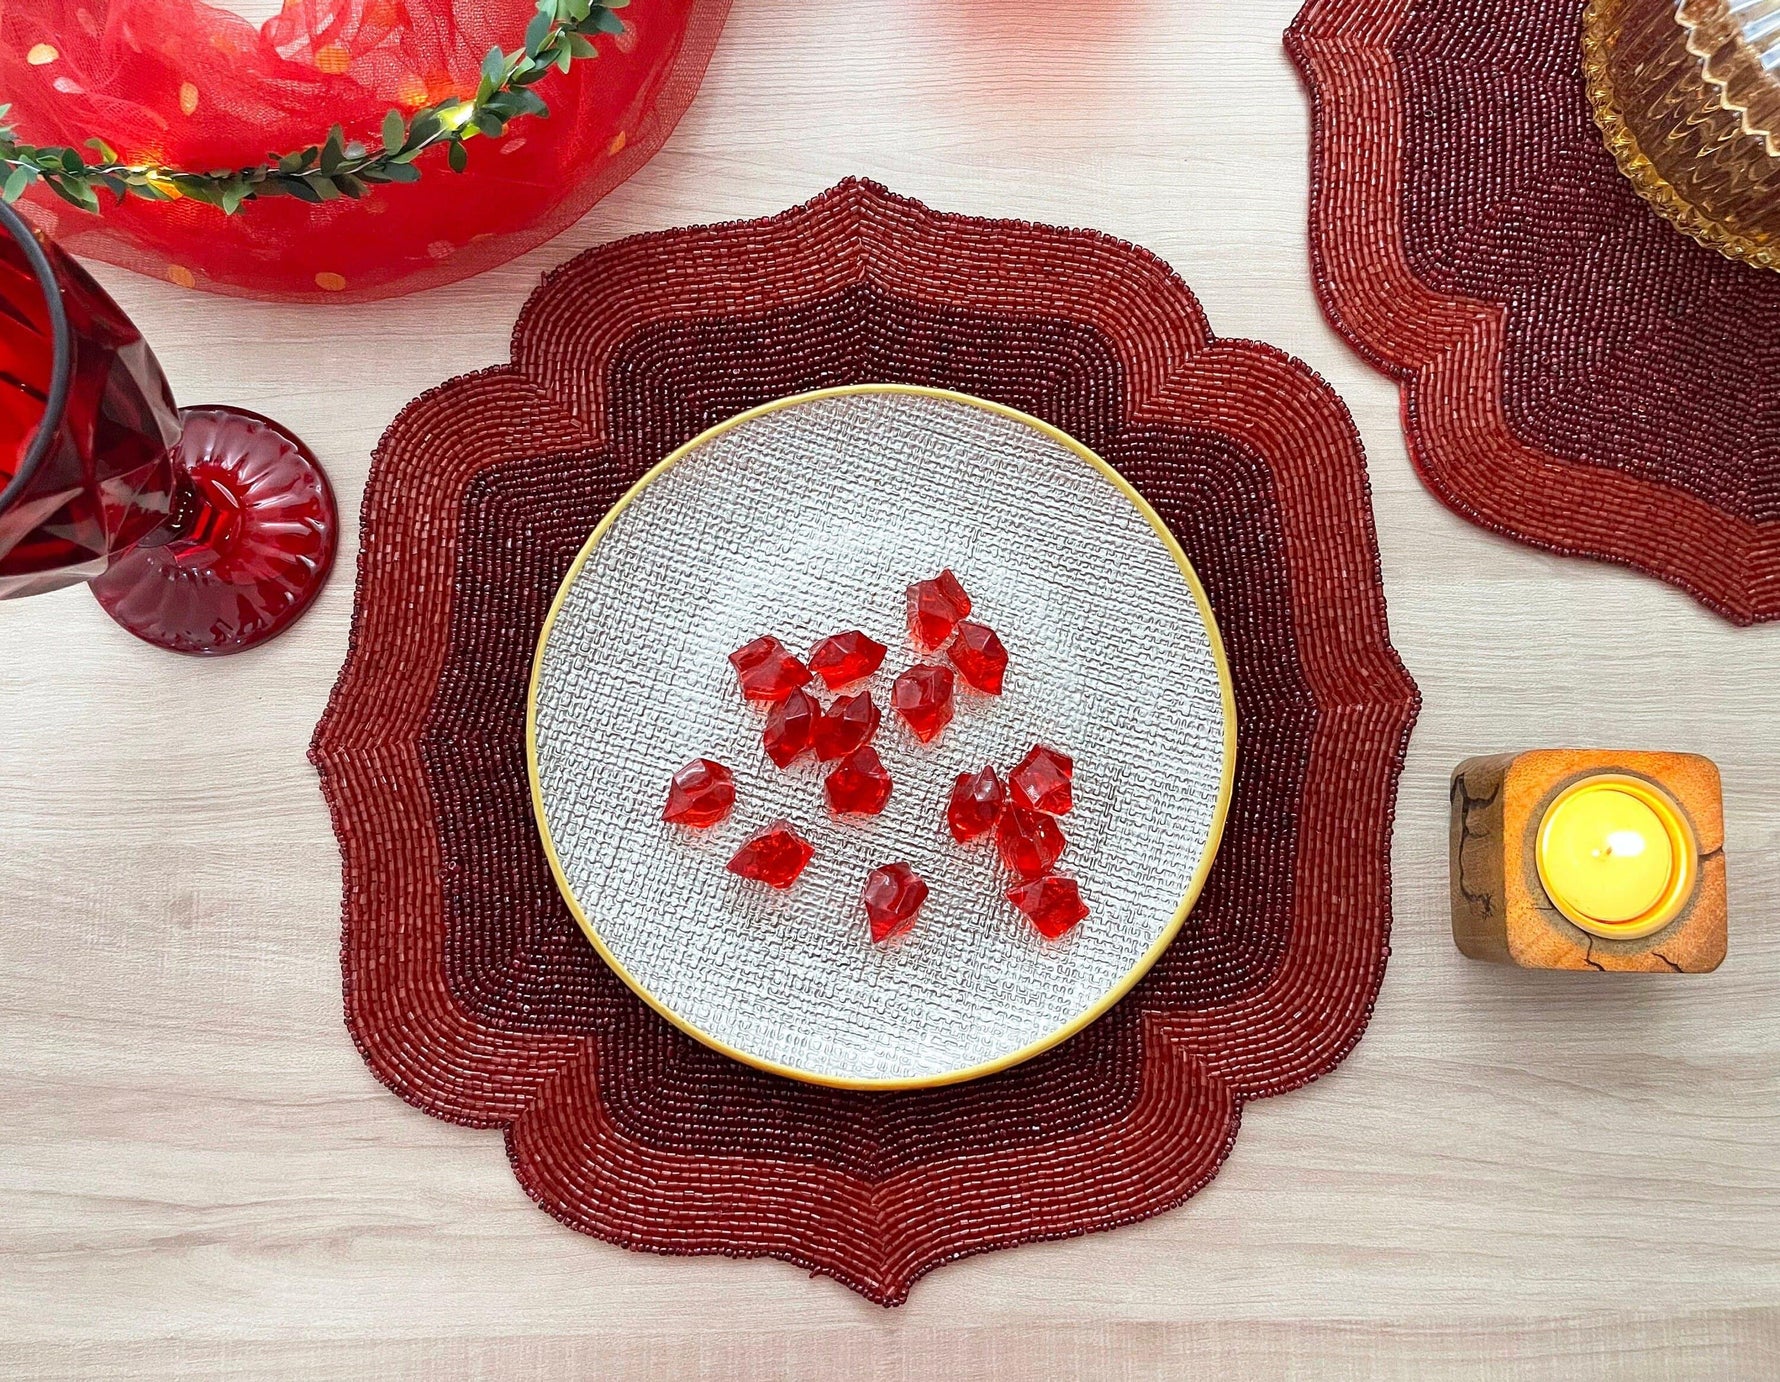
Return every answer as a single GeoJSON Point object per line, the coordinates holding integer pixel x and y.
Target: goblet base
{"type": "Point", "coordinates": [249, 549]}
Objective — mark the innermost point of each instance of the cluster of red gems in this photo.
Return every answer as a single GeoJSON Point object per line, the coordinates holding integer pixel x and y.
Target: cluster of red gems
{"type": "Point", "coordinates": [1021, 812]}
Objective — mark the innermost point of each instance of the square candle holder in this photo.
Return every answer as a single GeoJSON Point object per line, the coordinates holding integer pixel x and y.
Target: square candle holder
{"type": "Point", "coordinates": [1589, 859]}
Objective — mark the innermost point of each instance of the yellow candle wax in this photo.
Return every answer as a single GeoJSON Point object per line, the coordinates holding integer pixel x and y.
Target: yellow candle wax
{"type": "Point", "coordinates": [1616, 856]}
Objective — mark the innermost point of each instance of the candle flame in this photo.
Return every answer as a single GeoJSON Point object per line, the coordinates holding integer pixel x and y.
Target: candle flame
{"type": "Point", "coordinates": [1628, 844]}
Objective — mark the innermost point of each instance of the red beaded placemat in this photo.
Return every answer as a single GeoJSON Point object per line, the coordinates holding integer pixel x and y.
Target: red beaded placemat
{"type": "Point", "coordinates": [1575, 373]}
{"type": "Point", "coordinates": [473, 995]}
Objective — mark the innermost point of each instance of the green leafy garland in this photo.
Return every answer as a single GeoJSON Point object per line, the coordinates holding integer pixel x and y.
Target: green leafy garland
{"type": "Point", "coordinates": [560, 32]}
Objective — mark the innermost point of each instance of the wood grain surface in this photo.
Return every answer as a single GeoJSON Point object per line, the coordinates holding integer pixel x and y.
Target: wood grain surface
{"type": "Point", "coordinates": [1516, 1174]}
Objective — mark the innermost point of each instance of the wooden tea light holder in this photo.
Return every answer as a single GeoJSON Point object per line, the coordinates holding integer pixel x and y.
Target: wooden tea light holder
{"type": "Point", "coordinates": [1586, 859]}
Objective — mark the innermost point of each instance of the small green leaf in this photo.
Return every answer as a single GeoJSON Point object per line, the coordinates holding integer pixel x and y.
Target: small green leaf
{"type": "Point", "coordinates": [300, 189]}
{"type": "Point", "coordinates": [17, 181]}
{"type": "Point", "coordinates": [106, 153]}
{"type": "Point", "coordinates": [402, 172]}
{"type": "Point", "coordinates": [456, 155]}
{"type": "Point", "coordinates": [537, 31]}
{"type": "Point", "coordinates": [197, 190]}
{"type": "Point", "coordinates": [490, 124]}
{"type": "Point", "coordinates": [607, 23]}
{"type": "Point", "coordinates": [333, 153]}
{"type": "Point", "coordinates": [425, 126]}
{"type": "Point", "coordinates": [292, 163]}
{"type": "Point", "coordinates": [74, 192]}
{"type": "Point", "coordinates": [581, 47]}
{"type": "Point", "coordinates": [395, 130]}
{"type": "Point", "coordinates": [563, 58]}
{"type": "Point", "coordinates": [494, 67]}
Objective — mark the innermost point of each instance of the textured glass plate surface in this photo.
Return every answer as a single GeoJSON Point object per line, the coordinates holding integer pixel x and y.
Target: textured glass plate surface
{"type": "Point", "coordinates": [808, 517]}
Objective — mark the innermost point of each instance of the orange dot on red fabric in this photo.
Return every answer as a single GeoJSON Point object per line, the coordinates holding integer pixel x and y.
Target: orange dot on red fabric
{"type": "Point", "coordinates": [184, 277]}
{"type": "Point", "coordinates": [333, 59]}
{"type": "Point", "coordinates": [40, 54]}
{"type": "Point", "coordinates": [332, 282]}
{"type": "Point", "coordinates": [188, 97]}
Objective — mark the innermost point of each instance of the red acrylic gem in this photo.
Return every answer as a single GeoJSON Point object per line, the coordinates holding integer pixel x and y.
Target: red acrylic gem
{"type": "Point", "coordinates": [775, 856]}
{"type": "Point", "coordinates": [1054, 903]}
{"type": "Point", "coordinates": [699, 795]}
{"type": "Point", "coordinates": [849, 723]}
{"type": "Point", "coordinates": [846, 657]}
{"type": "Point", "coordinates": [1029, 842]}
{"type": "Point", "coordinates": [893, 895]}
{"type": "Point", "coordinates": [791, 727]}
{"type": "Point", "coordinates": [976, 804]}
{"type": "Point", "coordinates": [935, 607]}
{"type": "Point", "coordinates": [923, 697]}
{"type": "Point", "coordinates": [766, 671]}
{"type": "Point", "coordinates": [859, 786]}
{"type": "Point", "coordinates": [979, 657]}
{"type": "Point", "coordinates": [1042, 781]}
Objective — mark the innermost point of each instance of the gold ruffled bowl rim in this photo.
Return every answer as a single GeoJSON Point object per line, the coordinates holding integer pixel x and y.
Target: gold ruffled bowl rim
{"type": "Point", "coordinates": [1598, 20]}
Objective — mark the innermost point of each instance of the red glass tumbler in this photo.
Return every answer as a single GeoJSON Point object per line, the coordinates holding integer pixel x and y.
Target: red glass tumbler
{"type": "Point", "coordinates": [204, 530]}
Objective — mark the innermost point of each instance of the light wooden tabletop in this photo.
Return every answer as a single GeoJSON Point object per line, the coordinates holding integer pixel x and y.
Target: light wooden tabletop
{"type": "Point", "coordinates": [1540, 1174]}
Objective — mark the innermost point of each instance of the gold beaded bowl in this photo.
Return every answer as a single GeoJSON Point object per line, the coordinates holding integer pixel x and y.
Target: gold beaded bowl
{"type": "Point", "coordinates": [1687, 95]}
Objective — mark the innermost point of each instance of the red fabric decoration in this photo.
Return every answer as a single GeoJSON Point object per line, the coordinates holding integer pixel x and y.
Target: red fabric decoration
{"type": "Point", "coordinates": [469, 988]}
{"type": "Point", "coordinates": [1575, 372]}
{"type": "Point", "coordinates": [186, 84]}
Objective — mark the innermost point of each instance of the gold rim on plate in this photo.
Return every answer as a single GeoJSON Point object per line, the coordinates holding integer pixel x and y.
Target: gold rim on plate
{"type": "Point", "coordinates": [1226, 780]}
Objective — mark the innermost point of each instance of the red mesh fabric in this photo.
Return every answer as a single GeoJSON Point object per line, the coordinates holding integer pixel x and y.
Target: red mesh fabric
{"type": "Point", "coordinates": [468, 987]}
{"type": "Point", "coordinates": [1575, 373]}
{"type": "Point", "coordinates": [182, 83]}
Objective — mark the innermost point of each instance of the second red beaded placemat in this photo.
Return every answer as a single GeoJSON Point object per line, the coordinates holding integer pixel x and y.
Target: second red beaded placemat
{"type": "Point", "coordinates": [1575, 373]}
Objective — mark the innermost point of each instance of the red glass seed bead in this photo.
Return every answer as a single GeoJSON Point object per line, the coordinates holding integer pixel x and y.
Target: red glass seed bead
{"type": "Point", "coordinates": [935, 607]}
{"type": "Point", "coordinates": [849, 723]}
{"type": "Point", "coordinates": [1054, 903]}
{"type": "Point", "coordinates": [791, 727]}
{"type": "Point", "coordinates": [979, 657]}
{"type": "Point", "coordinates": [923, 697]}
{"type": "Point", "coordinates": [766, 671]}
{"type": "Point", "coordinates": [775, 856]}
{"type": "Point", "coordinates": [1042, 781]}
{"type": "Point", "coordinates": [699, 795]}
{"type": "Point", "coordinates": [1029, 842]}
{"type": "Point", "coordinates": [893, 895]}
{"type": "Point", "coordinates": [845, 657]}
{"type": "Point", "coordinates": [859, 786]}
{"type": "Point", "coordinates": [976, 803]}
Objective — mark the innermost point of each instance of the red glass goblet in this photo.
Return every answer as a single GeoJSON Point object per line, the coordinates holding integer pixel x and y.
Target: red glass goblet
{"type": "Point", "coordinates": [203, 530]}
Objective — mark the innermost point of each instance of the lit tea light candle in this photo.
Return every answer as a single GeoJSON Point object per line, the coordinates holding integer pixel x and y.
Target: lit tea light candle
{"type": "Point", "coordinates": [1616, 856]}
{"type": "Point", "coordinates": [1589, 859]}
